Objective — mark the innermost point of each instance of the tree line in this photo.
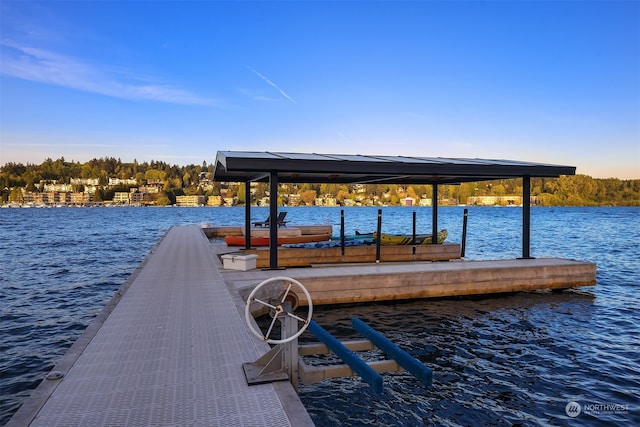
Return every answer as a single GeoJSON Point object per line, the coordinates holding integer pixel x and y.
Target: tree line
{"type": "Point", "coordinates": [578, 190]}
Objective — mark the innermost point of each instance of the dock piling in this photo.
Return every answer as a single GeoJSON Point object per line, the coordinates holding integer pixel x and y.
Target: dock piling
{"type": "Point", "coordinates": [463, 244]}
{"type": "Point", "coordinates": [379, 231]}
{"type": "Point", "coordinates": [413, 239]}
{"type": "Point", "coordinates": [342, 232]}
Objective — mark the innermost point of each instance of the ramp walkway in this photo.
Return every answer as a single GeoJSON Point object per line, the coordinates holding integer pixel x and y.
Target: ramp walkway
{"type": "Point", "coordinates": [169, 353]}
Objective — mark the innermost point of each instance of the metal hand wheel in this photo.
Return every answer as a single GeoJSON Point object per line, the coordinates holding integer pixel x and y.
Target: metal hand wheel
{"type": "Point", "coordinates": [280, 295]}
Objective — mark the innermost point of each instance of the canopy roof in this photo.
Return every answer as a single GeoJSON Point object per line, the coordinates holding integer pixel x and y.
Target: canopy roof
{"type": "Point", "coordinates": [247, 166]}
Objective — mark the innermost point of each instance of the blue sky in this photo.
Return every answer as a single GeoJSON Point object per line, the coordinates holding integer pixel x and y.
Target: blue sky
{"type": "Point", "coordinates": [548, 81]}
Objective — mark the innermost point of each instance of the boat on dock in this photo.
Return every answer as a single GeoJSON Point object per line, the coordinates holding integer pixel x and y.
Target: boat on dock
{"type": "Point", "coordinates": [407, 239]}
{"type": "Point", "coordinates": [264, 241]}
{"type": "Point", "coordinates": [259, 236]}
{"type": "Point", "coordinates": [333, 243]}
{"type": "Point", "coordinates": [220, 231]}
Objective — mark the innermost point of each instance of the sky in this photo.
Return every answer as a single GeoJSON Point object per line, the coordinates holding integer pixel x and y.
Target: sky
{"type": "Point", "coordinates": [542, 81]}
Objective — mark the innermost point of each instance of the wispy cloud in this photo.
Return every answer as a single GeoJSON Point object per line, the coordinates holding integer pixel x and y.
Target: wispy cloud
{"type": "Point", "coordinates": [282, 92]}
{"type": "Point", "coordinates": [44, 66]}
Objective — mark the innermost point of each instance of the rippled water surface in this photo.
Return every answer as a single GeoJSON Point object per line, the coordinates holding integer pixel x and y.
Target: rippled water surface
{"type": "Point", "coordinates": [497, 361]}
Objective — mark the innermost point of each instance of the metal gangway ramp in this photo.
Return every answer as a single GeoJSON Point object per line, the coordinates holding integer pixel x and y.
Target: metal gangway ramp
{"type": "Point", "coordinates": [168, 353]}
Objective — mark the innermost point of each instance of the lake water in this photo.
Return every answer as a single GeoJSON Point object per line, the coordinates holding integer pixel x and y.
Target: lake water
{"type": "Point", "coordinates": [515, 360]}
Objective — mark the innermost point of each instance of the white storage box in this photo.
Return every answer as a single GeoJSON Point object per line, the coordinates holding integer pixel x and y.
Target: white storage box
{"type": "Point", "coordinates": [239, 262]}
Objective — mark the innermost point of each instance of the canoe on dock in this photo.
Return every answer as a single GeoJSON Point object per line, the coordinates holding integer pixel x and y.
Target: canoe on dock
{"type": "Point", "coordinates": [282, 240]}
{"type": "Point", "coordinates": [407, 239]}
{"type": "Point", "coordinates": [213, 231]}
{"type": "Point", "coordinates": [333, 243]}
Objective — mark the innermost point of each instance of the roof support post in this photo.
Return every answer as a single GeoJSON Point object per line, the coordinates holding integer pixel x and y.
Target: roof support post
{"type": "Point", "coordinates": [434, 214]}
{"type": "Point", "coordinates": [526, 217]}
{"type": "Point", "coordinates": [247, 215]}
{"type": "Point", "coordinates": [273, 223]}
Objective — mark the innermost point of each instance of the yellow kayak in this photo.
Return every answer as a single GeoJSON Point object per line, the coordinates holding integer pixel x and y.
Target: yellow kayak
{"type": "Point", "coordinates": [421, 239]}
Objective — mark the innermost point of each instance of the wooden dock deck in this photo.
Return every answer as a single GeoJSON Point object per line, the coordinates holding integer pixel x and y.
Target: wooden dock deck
{"type": "Point", "coordinates": [360, 282]}
{"type": "Point", "coordinates": [364, 283]}
{"type": "Point", "coordinates": [167, 352]}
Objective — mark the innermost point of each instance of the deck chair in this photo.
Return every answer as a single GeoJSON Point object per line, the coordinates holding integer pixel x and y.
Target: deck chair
{"type": "Point", "coordinates": [280, 219]}
{"type": "Point", "coordinates": [264, 223]}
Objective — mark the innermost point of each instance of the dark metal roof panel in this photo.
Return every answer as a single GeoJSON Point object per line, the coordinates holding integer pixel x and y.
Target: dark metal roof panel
{"type": "Point", "coordinates": [353, 168]}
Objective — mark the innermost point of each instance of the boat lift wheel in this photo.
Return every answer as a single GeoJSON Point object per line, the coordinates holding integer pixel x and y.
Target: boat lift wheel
{"type": "Point", "coordinates": [281, 306]}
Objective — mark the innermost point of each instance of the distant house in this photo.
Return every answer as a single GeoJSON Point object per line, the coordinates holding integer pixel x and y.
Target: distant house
{"type": "Point", "coordinates": [46, 187]}
{"type": "Point", "coordinates": [78, 198]}
{"type": "Point", "coordinates": [121, 198]}
{"type": "Point", "coordinates": [85, 181]}
{"type": "Point", "coordinates": [194, 200]}
{"type": "Point", "coordinates": [150, 189]}
{"type": "Point", "coordinates": [118, 181]}
{"type": "Point", "coordinates": [494, 200]}
{"type": "Point", "coordinates": [294, 199]}
{"type": "Point", "coordinates": [136, 198]}
{"type": "Point", "coordinates": [327, 200]}
{"type": "Point", "coordinates": [214, 201]}
{"type": "Point", "coordinates": [407, 201]}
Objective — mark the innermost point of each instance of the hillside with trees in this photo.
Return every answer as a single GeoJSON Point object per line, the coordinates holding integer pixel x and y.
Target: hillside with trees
{"type": "Point", "coordinates": [100, 179]}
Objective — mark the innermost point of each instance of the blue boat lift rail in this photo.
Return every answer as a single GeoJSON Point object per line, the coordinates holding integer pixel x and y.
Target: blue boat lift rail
{"type": "Point", "coordinates": [368, 371]}
{"type": "Point", "coordinates": [408, 362]}
{"type": "Point", "coordinates": [285, 361]}
{"type": "Point", "coordinates": [358, 365]}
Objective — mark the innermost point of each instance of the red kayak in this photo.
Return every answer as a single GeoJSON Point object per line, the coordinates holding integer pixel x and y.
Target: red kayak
{"type": "Point", "coordinates": [264, 241]}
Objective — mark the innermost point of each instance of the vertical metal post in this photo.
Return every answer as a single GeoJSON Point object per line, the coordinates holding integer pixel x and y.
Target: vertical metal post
{"type": "Point", "coordinates": [342, 231]}
{"type": "Point", "coordinates": [526, 217]}
{"type": "Point", "coordinates": [289, 329]}
{"type": "Point", "coordinates": [247, 215]}
{"type": "Point", "coordinates": [379, 231]}
{"type": "Point", "coordinates": [413, 239]}
{"type": "Point", "coordinates": [463, 246]}
{"type": "Point", "coordinates": [273, 223]}
{"type": "Point", "coordinates": [434, 214]}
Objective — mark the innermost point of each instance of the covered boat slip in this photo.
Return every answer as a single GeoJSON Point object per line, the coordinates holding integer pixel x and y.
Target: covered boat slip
{"type": "Point", "coordinates": [391, 278]}
{"type": "Point", "coordinates": [247, 167]}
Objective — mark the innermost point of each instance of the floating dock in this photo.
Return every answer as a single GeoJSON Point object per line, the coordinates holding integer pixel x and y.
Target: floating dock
{"type": "Point", "coordinates": [169, 348]}
{"type": "Point", "coordinates": [342, 283]}
{"type": "Point", "coordinates": [167, 351]}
